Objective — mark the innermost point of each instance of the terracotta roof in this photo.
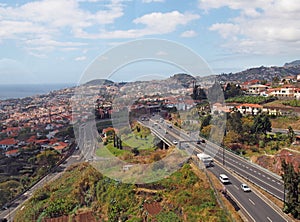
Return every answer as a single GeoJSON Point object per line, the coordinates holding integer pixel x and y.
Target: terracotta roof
{"type": "Point", "coordinates": [10, 152]}
{"type": "Point", "coordinates": [250, 105]}
{"type": "Point", "coordinates": [108, 129]}
{"type": "Point", "coordinates": [9, 141]}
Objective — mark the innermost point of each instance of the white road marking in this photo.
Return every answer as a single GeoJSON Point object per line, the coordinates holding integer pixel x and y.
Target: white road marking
{"type": "Point", "coordinates": [251, 201]}
{"type": "Point", "coordinates": [236, 187]}
{"type": "Point", "coordinates": [269, 219]}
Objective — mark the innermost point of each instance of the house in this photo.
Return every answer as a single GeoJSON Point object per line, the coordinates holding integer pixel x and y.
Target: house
{"type": "Point", "coordinates": [273, 112]}
{"type": "Point", "coordinates": [8, 143]}
{"type": "Point", "coordinates": [108, 131]}
{"type": "Point", "coordinates": [287, 91]}
{"type": "Point", "coordinates": [61, 147]}
{"type": "Point", "coordinates": [12, 153]}
{"type": "Point", "coordinates": [289, 79]}
{"type": "Point", "coordinates": [247, 84]}
{"type": "Point", "coordinates": [218, 107]}
{"type": "Point", "coordinates": [257, 89]}
{"type": "Point", "coordinates": [12, 131]}
{"type": "Point", "coordinates": [249, 108]}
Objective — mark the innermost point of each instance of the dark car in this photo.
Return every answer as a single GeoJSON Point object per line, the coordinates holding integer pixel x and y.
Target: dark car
{"type": "Point", "coordinates": [200, 141]}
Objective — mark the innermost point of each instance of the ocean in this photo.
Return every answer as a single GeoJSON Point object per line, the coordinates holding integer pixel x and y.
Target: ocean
{"type": "Point", "coordinates": [14, 91]}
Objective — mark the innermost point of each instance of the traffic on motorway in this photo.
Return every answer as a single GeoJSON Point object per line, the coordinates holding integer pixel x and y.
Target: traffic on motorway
{"type": "Point", "coordinates": [252, 203]}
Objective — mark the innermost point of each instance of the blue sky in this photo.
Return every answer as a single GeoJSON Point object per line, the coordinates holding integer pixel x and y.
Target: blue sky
{"type": "Point", "coordinates": [54, 41]}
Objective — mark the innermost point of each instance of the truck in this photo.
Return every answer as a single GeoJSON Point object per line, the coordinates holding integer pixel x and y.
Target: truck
{"type": "Point", "coordinates": [206, 159]}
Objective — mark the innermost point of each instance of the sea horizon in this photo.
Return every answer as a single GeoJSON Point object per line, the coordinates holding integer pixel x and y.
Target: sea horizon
{"type": "Point", "coordinates": [19, 91]}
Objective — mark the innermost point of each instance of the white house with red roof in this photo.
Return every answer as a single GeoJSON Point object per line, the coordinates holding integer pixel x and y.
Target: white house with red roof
{"type": "Point", "coordinates": [287, 91]}
{"type": "Point", "coordinates": [249, 108]}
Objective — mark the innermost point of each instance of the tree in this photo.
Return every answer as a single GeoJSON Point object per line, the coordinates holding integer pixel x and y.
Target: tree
{"type": "Point", "coordinates": [291, 180]}
{"type": "Point", "coordinates": [262, 124]}
{"type": "Point", "coordinates": [232, 91]}
{"type": "Point", "coordinates": [291, 134]}
{"type": "Point", "coordinates": [234, 122]}
{"type": "Point", "coordinates": [205, 121]}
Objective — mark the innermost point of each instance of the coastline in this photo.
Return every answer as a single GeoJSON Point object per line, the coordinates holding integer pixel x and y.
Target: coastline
{"type": "Point", "coordinates": [19, 91]}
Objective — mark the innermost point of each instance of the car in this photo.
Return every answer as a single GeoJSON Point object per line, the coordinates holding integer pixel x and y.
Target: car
{"type": "Point", "coordinates": [245, 187]}
{"type": "Point", "coordinates": [170, 126]}
{"type": "Point", "coordinates": [224, 179]}
{"type": "Point", "coordinates": [175, 142]}
{"type": "Point", "coordinates": [200, 141]}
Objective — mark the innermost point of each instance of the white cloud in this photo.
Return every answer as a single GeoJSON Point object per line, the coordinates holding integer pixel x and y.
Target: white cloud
{"type": "Point", "coordinates": [155, 23]}
{"type": "Point", "coordinates": [53, 18]}
{"type": "Point", "coordinates": [188, 34]}
{"type": "Point", "coordinates": [165, 22]}
{"type": "Point", "coordinates": [38, 55]}
{"type": "Point", "coordinates": [81, 58]}
{"type": "Point", "coordinates": [263, 27]}
{"type": "Point", "coordinates": [150, 1]}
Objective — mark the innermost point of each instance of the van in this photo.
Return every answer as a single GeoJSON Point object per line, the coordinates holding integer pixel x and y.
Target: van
{"type": "Point", "coordinates": [224, 179]}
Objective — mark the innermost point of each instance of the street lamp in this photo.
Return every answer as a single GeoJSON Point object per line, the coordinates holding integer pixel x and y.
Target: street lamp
{"type": "Point", "coordinates": [223, 156]}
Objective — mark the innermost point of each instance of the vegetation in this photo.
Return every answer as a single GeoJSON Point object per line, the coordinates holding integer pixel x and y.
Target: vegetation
{"type": "Point", "coordinates": [182, 195]}
{"type": "Point", "coordinates": [251, 99]}
{"type": "Point", "coordinates": [294, 103]}
{"type": "Point", "coordinates": [19, 173]}
{"type": "Point", "coordinates": [291, 180]}
{"type": "Point", "coordinates": [232, 91]}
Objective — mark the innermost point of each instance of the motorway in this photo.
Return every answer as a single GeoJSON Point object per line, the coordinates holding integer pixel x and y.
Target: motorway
{"type": "Point", "coordinates": [17, 204]}
{"type": "Point", "coordinates": [252, 204]}
{"type": "Point", "coordinates": [263, 178]}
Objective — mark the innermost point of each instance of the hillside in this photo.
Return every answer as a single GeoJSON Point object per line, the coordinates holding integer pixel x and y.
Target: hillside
{"type": "Point", "coordinates": [83, 190]}
{"type": "Point", "coordinates": [261, 73]}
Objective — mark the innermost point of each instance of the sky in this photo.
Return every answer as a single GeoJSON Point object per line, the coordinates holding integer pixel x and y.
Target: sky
{"type": "Point", "coordinates": [55, 41]}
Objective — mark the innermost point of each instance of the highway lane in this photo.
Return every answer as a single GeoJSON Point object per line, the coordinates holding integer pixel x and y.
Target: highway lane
{"type": "Point", "coordinates": [254, 206]}
{"type": "Point", "coordinates": [263, 178]}
{"type": "Point", "coordinates": [281, 130]}
{"type": "Point", "coordinates": [251, 202]}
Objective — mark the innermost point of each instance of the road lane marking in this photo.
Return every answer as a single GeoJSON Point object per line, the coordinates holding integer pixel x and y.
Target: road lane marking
{"type": "Point", "coordinates": [269, 219]}
{"type": "Point", "coordinates": [262, 181]}
{"type": "Point", "coordinates": [236, 187]}
{"type": "Point", "coordinates": [251, 201]}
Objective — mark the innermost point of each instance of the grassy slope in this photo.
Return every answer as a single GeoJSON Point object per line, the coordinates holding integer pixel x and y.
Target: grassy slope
{"type": "Point", "coordinates": [183, 197]}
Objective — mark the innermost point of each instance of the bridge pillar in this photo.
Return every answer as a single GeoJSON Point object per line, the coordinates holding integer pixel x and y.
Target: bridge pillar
{"type": "Point", "coordinates": [164, 145]}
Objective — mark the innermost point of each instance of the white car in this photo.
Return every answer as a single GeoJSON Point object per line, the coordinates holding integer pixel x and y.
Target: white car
{"type": "Point", "coordinates": [224, 179]}
{"type": "Point", "coordinates": [175, 142]}
{"type": "Point", "coordinates": [245, 187]}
